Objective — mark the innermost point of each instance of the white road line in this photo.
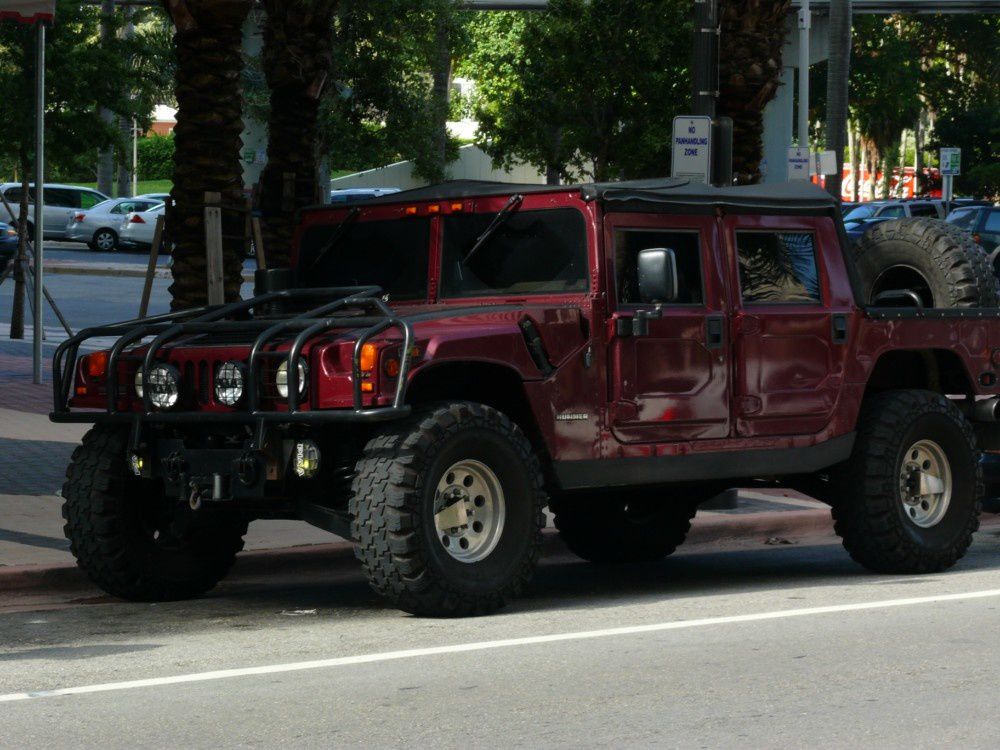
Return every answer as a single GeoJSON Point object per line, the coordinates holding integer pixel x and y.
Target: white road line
{"type": "Point", "coordinates": [486, 645]}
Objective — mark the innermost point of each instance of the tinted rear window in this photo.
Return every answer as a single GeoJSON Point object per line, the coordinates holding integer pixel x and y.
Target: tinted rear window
{"type": "Point", "coordinates": [390, 254]}
{"type": "Point", "coordinates": [963, 218]}
{"type": "Point", "coordinates": [533, 252]}
{"type": "Point", "coordinates": [992, 222]}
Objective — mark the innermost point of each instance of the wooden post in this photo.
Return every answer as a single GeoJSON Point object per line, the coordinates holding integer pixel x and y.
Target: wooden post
{"type": "Point", "coordinates": [154, 254]}
{"type": "Point", "coordinates": [258, 242]}
{"type": "Point", "coordinates": [213, 249]}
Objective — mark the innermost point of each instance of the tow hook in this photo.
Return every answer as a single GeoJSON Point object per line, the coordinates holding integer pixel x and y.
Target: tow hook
{"type": "Point", "coordinates": [199, 494]}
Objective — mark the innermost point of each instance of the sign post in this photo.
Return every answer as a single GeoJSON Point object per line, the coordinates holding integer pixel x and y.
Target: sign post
{"type": "Point", "coordinates": [951, 165]}
{"type": "Point", "coordinates": [691, 150]}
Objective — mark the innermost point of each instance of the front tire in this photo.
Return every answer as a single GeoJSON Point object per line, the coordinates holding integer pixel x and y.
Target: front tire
{"type": "Point", "coordinates": [628, 526]}
{"type": "Point", "coordinates": [129, 538]}
{"type": "Point", "coordinates": [447, 511]}
{"type": "Point", "coordinates": [908, 499]}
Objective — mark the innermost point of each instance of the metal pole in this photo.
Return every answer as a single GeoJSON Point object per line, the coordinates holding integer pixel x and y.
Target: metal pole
{"type": "Point", "coordinates": [805, 22]}
{"type": "Point", "coordinates": [39, 203]}
{"type": "Point", "coordinates": [705, 58]}
{"type": "Point", "coordinates": [135, 158]}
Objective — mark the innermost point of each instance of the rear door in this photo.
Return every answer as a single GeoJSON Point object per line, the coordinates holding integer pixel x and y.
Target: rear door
{"type": "Point", "coordinates": [668, 368]}
{"type": "Point", "coordinates": [790, 328]}
{"type": "Point", "coordinates": [60, 205]}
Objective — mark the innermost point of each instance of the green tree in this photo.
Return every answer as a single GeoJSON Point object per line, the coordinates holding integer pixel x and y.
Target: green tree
{"type": "Point", "coordinates": [382, 107]}
{"type": "Point", "coordinates": [582, 90]}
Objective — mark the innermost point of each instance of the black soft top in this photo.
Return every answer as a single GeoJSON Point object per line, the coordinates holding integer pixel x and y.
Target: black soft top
{"type": "Point", "coordinates": [654, 194]}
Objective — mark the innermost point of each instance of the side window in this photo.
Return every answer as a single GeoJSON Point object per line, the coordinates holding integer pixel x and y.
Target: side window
{"type": "Point", "coordinates": [61, 198]}
{"type": "Point", "coordinates": [892, 212]}
{"type": "Point", "coordinates": [628, 244]}
{"type": "Point", "coordinates": [992, 222]}
{"type": "Point", "coordinates": [89, 200]}
{"type": "Point", "coordinates": [118, 208]}
{"type": "Point", "coordinates": [13, 195]}
{"type": "Point", "coordinates": [923, 209]}
{"type": "Point", "coordinates": [777, 267]}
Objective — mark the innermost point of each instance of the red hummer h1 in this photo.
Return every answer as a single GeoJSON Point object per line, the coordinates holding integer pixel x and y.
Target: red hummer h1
{"type": "Point", "coordinates": [440, 365]}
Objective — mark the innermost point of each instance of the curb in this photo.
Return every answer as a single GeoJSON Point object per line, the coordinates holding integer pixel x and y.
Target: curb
{"type": "Point", "coordinates": [121, 270]}
{"type": "Point", "coordinates": [706, 529]}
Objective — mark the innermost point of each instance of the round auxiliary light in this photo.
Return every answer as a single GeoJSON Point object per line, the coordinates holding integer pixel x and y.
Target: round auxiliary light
{"type": "Point", "coordinates": [163, 385]}
{"type": "Point", "coordinates": [229, 383]}
{"type": "Point", "coordinates": [281, 377]}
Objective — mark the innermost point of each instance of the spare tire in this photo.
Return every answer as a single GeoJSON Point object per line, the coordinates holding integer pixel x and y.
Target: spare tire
{"type": "Point", "coordinates": [937, 261]}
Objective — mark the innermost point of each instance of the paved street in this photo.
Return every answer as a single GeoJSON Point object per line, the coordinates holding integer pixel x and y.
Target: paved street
{"type": "Point", "coordinates": [789, 646]}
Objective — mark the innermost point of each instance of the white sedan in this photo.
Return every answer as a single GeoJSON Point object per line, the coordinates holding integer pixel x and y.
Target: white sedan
{"type": "Point", "coordinates": [99, 226]}
{"type": "Point", "coordinates": [136, 230]}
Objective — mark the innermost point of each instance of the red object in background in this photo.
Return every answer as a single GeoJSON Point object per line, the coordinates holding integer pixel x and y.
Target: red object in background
{"type": "Point", "coordinates": [28, 11]}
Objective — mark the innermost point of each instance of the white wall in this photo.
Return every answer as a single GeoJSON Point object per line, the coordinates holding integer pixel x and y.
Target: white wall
{"type": "Point", "coordinates": [472, 164]}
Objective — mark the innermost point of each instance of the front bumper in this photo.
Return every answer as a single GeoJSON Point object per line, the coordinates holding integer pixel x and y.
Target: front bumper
{"type": "Point", "coordinates": [318, 417]}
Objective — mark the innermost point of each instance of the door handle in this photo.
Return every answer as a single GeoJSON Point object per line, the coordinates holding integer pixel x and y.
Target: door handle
{"type": "Point", "coordinates": [714, 332]}
{"type": "Point", "coordinates": [839, 329]}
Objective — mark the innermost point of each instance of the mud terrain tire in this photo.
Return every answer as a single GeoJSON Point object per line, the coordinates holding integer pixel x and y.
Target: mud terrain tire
{"type": "Point", "coordinates": [879, 528]}
{"type": "Point", "coordinates": [132, 541]}
{"type": "Point", "coordinates": [623, 527]}
{"type": "Point", "coordinates": [397, 490]}
{"type": "Point", "coordinates": [933, 258]}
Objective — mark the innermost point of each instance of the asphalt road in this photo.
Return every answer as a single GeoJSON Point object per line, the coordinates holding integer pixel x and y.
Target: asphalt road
{"type": "Point", "coordinates": [754, 647]}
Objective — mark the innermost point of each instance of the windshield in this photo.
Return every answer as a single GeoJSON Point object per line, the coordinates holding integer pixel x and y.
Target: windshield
{"type": "Point", "coordinates": [533, 252]}
{"type": "Point", "coordinates": [391, 254]}
{"type": "Point", "coordinates": [859, 212]}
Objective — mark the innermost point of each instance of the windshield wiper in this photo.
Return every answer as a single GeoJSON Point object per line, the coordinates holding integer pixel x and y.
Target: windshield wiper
{"type": "Point", "coordinates": [498, 221]}
{"type": "Point", "coordinates": [337, 235]}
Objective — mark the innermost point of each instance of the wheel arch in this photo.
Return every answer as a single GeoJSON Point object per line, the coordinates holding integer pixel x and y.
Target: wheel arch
{"type": "Point", "coordinates": [938, 370]}
{"type": "Point", "coordinates": [496, 385]}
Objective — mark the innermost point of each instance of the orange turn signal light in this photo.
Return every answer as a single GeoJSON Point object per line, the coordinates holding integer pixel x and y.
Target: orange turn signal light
{"type": "Point", "coordinates": [368, 387]}
{"type": "Point", "coordinates": [96, 364]}
{"type": "Point", "coordinates": [369, 353]}
{"type": "Point", "coordinates": [410, 210]}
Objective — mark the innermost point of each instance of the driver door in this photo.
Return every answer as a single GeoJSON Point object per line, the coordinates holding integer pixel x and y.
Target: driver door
{"type": "Point", "coordinates": [669, 365]}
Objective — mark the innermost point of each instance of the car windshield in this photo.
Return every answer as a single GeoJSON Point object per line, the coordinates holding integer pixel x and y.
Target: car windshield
{"type": "Point", "coordinates": [533, 252]}
{"type": "Point", "coordinates": [391, 254]}
{"type": "Point", "coordinates": [860, 212]}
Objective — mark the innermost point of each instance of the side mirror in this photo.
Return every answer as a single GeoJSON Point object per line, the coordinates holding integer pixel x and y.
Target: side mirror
{"type": "Point", "coordinates": [657, 275]}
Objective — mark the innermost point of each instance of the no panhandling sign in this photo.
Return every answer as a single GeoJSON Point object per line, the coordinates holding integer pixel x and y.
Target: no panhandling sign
{"type": "Point", "coordinates": [691, 151]}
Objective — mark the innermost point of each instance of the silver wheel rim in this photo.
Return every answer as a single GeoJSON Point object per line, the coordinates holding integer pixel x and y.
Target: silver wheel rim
{"type": "Point", "coordinates": [925, 484]}
{"type": "Point", "coordinates": [105, 241]}
{"type": "Point", "coordinates": [469, 511]}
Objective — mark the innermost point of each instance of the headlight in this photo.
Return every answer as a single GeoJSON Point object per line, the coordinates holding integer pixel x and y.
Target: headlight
{"type": "Point", "coordinates": [229, 383]}
{"type": "Point", "coordinates": [281, 378]}
{"type": "Point", "coordinates": [163, 385]}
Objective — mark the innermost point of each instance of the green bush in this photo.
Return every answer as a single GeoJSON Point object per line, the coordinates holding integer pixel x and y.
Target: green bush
{"type": "Point", "coordinates": [984, 180]}
{"type": "Point", "coordinates": [156, 157]}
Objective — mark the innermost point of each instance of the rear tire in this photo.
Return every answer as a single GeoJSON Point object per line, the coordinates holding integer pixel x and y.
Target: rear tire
{"type": "Point", "coordinates": [104, 241]}
{"type": "Point", "coordinates": [938, 261]}
{"type": "Point", "coordinates": [908, 498]}
{"type": "Point", "coordinates": [129, 538]}
{"type": "Point", "coordinates": [625, 527]}
{"type": "Point", "coordinates": [418, 494]}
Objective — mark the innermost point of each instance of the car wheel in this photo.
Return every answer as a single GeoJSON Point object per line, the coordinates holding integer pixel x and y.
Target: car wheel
{"type": "Point", "coordinates": [105, 241]}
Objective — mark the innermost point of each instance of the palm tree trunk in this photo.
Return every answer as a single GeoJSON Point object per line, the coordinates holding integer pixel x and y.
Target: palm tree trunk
{"type": "Point", "coordinates": [207, 40]}
{"type": "Point", "coordinates": [298, 36]}
{"type": "Point", "coordinates": [855, 164]}
{"type": "Point", "coordinates": [440, 90]}
{"type": "Point", "coordinates": [106, 156]}
{"type": "Point", "coordinates": [753, 33]}
{"type": "Point", "coordinates": [838, 75]}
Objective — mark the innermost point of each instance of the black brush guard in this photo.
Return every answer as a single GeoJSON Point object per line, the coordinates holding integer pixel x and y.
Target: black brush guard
{"type": "Point", "coordinates": [376, 317]}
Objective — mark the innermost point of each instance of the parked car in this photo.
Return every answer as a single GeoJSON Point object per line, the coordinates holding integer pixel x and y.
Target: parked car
{"type": "Point", "coordinates": [438, 366]}
{"type": "Point", "coordinates": [982, 222]}
{"type": "Point", "coordinates": [356, 195]}
{"type": "Point", "coordinates": [8, 245]}
{"type": "Point", "coordinates": [864, 216]}
{"type": "Point", "coordinates": [156, 197]}
{"type": "Point", "coordinates": [136, 229]}
{"type": "Point", "coordinates": [99, 226]}
{"type": "Point", "coordinates": [61, 202]}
